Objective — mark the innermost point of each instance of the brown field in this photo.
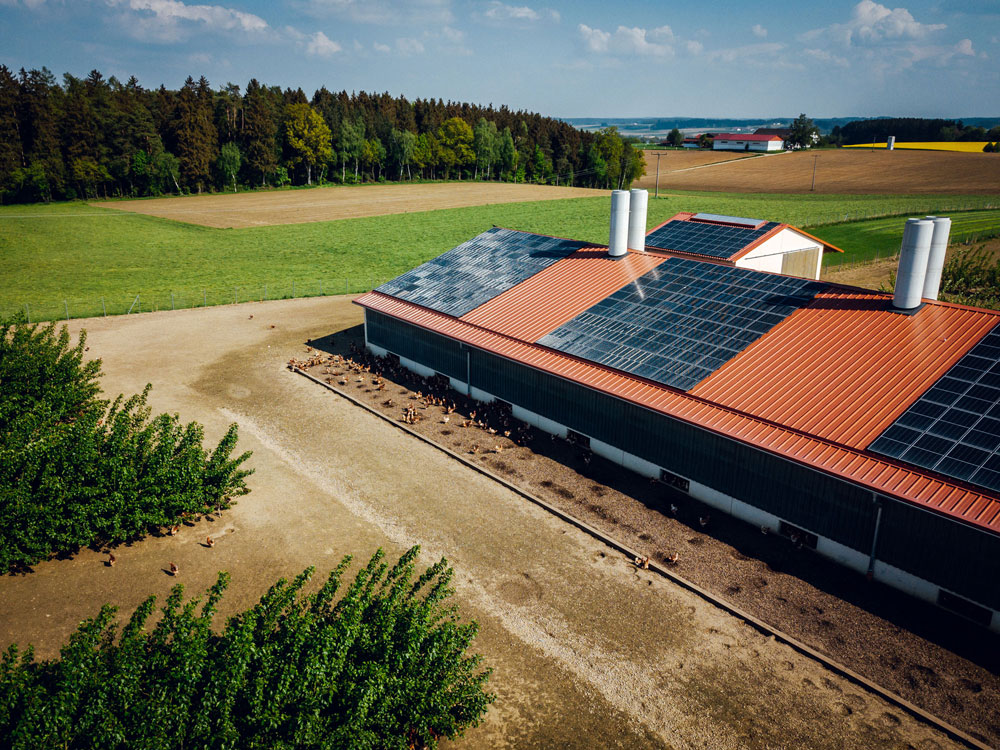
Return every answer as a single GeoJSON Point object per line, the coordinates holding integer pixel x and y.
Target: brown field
{"type": "Point", "coordinates": [845, 171]}
{"type": "Point", "coordinates": [588, 650]}
{"type": "Point", "coordinates": [326, 204]}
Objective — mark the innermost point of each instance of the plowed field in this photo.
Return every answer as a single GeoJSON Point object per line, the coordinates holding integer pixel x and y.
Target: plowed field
{"type": "Point", "coordinates": [326, 204]}
{"type": "Point", "coordinates": [848, 171]}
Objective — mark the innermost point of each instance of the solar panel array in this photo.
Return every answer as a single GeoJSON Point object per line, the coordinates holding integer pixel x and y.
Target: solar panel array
{"type": "Point", "coordinates": [954, 428]}
{"type": "Point", "coordinates": [714, 240]}
{"type": "Point", "coordinates": [680, 322]}
{"type": "Point", "coordinates": [476, 271]}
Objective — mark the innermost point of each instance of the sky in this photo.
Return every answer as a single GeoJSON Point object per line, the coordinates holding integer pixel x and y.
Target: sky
{"type": "Point", "coordinates": [589, 58]}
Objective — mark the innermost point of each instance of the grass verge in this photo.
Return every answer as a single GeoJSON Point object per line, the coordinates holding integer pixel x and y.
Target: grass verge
{"type": "Point", "coordinates": [74, 260]}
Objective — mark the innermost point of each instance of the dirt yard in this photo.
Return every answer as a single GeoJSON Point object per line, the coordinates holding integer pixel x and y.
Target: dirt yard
{"type": "Point", "coordinates": [847, 171]}
{"type": "Point", "coordinates": [326, 204]}
{"type": "Point", "coordinates": [588, 650]}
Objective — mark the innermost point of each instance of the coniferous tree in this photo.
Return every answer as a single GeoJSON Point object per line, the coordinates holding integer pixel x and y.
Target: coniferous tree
{"type": "Point", "coordinates": [195, 133]}
{"type": "Point", "coordinates": [11, 152]}
{"type": "Point", "coordinates": [40, 104]}
{"type": "Point", "coordinates": [258, 134]}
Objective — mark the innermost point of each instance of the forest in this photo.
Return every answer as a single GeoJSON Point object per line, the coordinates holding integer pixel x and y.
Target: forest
{"type": "Point", "coordinates": [910, 129]}
{"type": "Point", "coordinates": [98, 137]}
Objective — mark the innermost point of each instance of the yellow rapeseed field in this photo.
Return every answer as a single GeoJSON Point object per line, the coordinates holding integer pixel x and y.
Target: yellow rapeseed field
{"type": "Point", "coordinates": [966, 146]}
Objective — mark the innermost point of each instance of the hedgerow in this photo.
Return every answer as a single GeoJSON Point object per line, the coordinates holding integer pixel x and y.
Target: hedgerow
{"type": "Point", "coordinates": [78, 470]}
{"type": "Point", "coordinates": [382, 667]}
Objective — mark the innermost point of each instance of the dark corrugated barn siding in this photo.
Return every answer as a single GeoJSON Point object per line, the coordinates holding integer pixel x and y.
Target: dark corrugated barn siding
{"type": "Point", "coordinates": [950, 554]}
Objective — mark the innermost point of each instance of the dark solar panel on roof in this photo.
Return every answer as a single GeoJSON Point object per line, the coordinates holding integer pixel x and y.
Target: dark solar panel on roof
{"type": "Point", "coordinates": [698, 238]}
{"type": "Point", "coordinates": [476, 271]}
{"type": "Point", "coordinates": [681, 321]}
{"type": "Point", "coordinates": [954, 427]}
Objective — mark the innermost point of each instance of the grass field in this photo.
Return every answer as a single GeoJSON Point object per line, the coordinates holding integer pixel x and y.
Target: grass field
{"type": "Point", "coordinates": [881, 238]}
{"type": "Point", "coordinates": [968, 147]}
{"type": "Point", "coordinates": [81, 260]}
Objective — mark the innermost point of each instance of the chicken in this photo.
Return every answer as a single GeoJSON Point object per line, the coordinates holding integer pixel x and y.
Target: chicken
{"type": "Point", "coordinates": [209, 542]}
{"type": "Point", "coordinates": [173, 569]}
{"type": "Point", "coordinates": [112, 559]}
{"type": "Point", "coordinates": [704, 520]}
{"type": "Point", "coordinates": [673, 557]}
{"type": "Point", "coordinates": [174, 529]}
{"type": "Point", "coordinates": [642, 562]}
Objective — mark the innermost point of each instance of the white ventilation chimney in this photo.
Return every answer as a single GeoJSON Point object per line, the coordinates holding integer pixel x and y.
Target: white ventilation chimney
{"type": "Point", "coordinates": [913, 264]}
{"type": "Point", "coordinates": [638, 202]}
{"type": "Point", "coordinates": [618, 240]}
{"type": "Point", "coordinates": [935, 261]}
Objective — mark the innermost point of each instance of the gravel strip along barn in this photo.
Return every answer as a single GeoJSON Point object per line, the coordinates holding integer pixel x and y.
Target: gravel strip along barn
{"type": "Point", "coordinates": [818, 412]}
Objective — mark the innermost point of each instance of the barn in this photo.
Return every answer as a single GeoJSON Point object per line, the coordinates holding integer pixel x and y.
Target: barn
{"type": "Point", "coordinates": [747, 142]}
{"type": "Point", "coordinates": [861, 426]}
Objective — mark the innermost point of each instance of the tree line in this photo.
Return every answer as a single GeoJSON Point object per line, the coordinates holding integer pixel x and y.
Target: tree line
{"type": "Point", "coordinates": [912, 129]}
{"type": "Point", "coordinates": [92, 137]}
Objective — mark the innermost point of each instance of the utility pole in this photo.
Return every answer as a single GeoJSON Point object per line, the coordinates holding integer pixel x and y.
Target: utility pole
{"type": "Point", "coordinates": [813, 186]}
{"type": "Point", "coordinates": [656, 191]}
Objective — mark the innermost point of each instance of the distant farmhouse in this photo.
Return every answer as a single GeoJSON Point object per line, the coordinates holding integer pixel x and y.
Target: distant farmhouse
{"type": "Point", "coordinates": [748, 142]}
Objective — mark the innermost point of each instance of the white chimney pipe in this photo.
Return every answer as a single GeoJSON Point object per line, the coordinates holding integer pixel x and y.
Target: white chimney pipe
{"type": "Point", "coordinates": [618, 239]}
{"type": "Point", "coordinates": [638, 202]}
{"type": "Point", "coordinates": [935, 261]}
{"type": "Point", "coordinates": [913, 263]}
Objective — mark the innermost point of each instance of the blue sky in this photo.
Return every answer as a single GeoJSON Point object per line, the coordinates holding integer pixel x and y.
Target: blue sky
{"type": "Point", "coordinates": [587, 58]}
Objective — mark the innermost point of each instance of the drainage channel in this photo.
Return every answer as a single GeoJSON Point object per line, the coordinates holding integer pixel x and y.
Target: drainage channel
{"type": "Point", "coordinates": [761, 626]}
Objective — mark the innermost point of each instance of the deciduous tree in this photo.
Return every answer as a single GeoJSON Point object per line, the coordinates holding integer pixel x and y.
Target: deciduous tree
{"type": "Point", "coordinates": [308, 137]}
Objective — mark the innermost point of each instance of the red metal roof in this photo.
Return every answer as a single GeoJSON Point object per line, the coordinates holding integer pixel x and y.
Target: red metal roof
{"type": "Point", "coordinates": [560, 292]}
{"type": "Point", "coordinates": [845, 366]}
{"type": "Point", "coordinates": [880, 474]}
{"type": "Point", "coordinates": [747, 137]}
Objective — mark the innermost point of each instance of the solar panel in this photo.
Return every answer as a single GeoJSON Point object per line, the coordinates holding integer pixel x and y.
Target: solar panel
{"type": "Point", "coordinates": [680, 322]}
{"type": "Point", "coordinates": [476, 271]}
{"type": "Point", "coordinates": [714, 240]}
{"type": "Point", "coordinates": [722, 219]}
{"type": "Point", "coordinates": [954, 427]}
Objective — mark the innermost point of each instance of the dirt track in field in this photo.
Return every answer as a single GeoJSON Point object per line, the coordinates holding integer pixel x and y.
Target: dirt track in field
{"type": "Point", "coordinates": [327, 204]}
{"type": "Point", "coordinates": [588, 650]}
{"type": "Point", "coordinates": [846, 171]}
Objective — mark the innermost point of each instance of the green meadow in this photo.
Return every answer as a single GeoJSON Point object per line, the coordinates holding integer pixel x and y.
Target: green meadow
{"type": "Point", "coordinates": [75, 259]}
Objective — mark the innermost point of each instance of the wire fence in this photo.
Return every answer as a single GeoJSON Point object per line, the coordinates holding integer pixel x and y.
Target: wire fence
{"type": "Point", "coordinates": [205, 296]}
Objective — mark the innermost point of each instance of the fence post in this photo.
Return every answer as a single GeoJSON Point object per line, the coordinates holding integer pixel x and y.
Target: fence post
{"type": "Point", "coordinates": [236, 298]}
{"type": "Point", "coordinates": [66, 306]}
{"type": "Point", "coordinates": [104, 309]}
{"type": "Point", "coordinates": [321, 287]}
{"type": "Point", "coordinates": [293, 290]}
{"type": "Point", "coordinates": [204, 298]}
{"type": "Point", "coordinates": [171, 300]}
{"type": "Point", "coordinates": [27, 312]}
{"type": "Point", "coordinates": [347, 286]}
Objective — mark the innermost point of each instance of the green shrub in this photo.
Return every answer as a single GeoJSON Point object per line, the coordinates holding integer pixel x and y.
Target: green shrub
{"type": "Point", "coordinates": [383, 667]}
{"type": "Point", "coordinates": [77, 470]}
{"type": "Point", "coordinates": [971, 276]}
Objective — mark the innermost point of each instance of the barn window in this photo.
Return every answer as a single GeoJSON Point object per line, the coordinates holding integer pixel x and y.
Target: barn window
{"type": "Point", "coordinates": [799, 536]}
{"type": "Point", "coordinates": [672, 480]}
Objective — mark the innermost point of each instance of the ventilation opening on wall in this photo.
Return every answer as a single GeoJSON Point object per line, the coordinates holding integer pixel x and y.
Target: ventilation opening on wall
{"type": "Point", "coordinates": [672, 480]}
{"type": "Point", "coordinates": [575, 438]}
{"type": "Point", "coordinates": [797, 535]}
{"type": "Point", "coordinates": [964, 607]}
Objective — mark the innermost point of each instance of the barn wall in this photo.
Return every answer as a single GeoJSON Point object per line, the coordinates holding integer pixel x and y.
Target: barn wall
{"type": "Point", "coordinates": [928, 546]}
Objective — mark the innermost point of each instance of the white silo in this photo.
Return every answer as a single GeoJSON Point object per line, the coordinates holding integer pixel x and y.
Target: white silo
{"type": "Point", "coordinates": [890, 143]}
{"type": "Point", "coordinates": [638, 204]}
{"type": "Point", "coordinates": [912, 263]}
{"type": "Point", "coordinates": [618, 238]}
{"type": "Point", "coordinates": [935, 259]}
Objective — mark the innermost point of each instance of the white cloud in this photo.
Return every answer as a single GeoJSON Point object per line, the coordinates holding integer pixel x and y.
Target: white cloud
{"type": "Point", "coordinates": [964, 47]}
{"type": "Point", "coordinates": [422, 13]}
{"type": "Point", "coordinates": [409, 46]}
{"type": "Point", "coordinates": [500, 12]}
{"type": "Point", "coordinates": [321, 45]}
{"type": "Point", "coordinates": [759, 31]}
{"type": "Point", "coordinates": [29, 4]}
{"type": "Point", "coordinates": [168, 15]}
{"type": "Point", "coordinates": [871, 23]}
{"type": "Point", "coordinates": [694, 47]}
{"type": "Point", "coordinates": [629, 40]}
{"type": "Point", "coordinates": [385, 49]}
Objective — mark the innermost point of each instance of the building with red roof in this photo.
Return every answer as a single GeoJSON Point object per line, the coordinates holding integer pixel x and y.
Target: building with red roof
{"type": "Point", "coordinates": [747, 142]}
{"type": "Point", "coordinates": [815, 410]}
